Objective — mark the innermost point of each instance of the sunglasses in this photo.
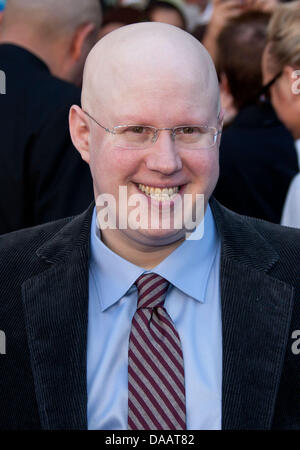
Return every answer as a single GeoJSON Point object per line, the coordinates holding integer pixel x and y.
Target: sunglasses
{"type": "Point", "coordinates": [264, 92]}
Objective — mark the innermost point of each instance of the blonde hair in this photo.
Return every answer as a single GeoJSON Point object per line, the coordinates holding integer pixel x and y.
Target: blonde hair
{"type": "Point", "coordinates": [284, 36]}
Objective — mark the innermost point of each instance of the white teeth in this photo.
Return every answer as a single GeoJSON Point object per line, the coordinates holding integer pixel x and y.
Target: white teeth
{"type": "Point", "coordinates": [158, 193]}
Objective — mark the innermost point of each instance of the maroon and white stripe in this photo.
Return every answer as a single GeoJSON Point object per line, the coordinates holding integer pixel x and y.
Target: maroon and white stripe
{"type": "Point", "coordinates": [156, 392]}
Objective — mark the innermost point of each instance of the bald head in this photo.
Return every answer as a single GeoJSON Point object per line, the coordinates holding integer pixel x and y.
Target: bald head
{"type": "Point", "coordinates": [137, 56]}
{"type": "Point", "coordinates": [52, 16]}
{"type": "Point", "coordinates": [59, 32]}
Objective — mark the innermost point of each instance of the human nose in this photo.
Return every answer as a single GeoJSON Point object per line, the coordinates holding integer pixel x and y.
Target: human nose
{"type": "Point", "coordinates": [163, 155]}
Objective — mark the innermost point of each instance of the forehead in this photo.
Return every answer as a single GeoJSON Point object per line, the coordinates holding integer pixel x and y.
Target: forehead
{"type": "Point", "coordinates": [160, 75]}
{"type": "Point", "coordinates": [160, 99]}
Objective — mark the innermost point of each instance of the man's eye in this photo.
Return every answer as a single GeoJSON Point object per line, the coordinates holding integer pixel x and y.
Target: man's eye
{"type": "Point", "coordinates": [136, 130]}
{"type": "Point", "coordinates": [188, 130]}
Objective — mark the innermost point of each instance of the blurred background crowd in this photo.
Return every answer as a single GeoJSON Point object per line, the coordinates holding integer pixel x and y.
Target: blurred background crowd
{"type": "Point", "coordinates": [255, 45]}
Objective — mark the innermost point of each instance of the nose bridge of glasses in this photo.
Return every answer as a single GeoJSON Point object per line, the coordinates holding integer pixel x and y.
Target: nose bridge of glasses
{"type": "Point", "coordinates": [157, 132]}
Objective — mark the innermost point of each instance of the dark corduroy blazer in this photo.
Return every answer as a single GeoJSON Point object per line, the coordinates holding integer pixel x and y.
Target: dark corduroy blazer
{"type": "Point", "coordinates": [44, 313]}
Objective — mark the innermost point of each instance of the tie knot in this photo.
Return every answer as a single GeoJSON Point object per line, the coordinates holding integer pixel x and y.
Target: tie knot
{"type": "Point", "coordinates": [152, 289]}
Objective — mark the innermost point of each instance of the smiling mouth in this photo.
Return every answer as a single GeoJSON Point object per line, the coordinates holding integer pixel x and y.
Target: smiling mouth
{"type": "Point", "coordinates": [159, 194]}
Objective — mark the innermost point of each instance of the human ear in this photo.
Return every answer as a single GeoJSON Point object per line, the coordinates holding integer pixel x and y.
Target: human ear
{"type": "Point", "coordinates": [80, 132]}
{"type": "Point", "coordinates": [81, 38]}
{"type": "Point", "coordinates": [224, 85]}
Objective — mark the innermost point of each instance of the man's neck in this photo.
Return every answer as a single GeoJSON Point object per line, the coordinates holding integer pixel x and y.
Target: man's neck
{"type": "Point", "coordinates": [140, 254]}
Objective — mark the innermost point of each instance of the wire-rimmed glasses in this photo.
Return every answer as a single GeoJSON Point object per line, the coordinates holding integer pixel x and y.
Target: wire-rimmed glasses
{"type": "Point", "coordinates": [143, 136]}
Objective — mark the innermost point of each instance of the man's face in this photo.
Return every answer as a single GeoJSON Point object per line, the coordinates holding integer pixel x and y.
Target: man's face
{"type": "Point", "coordinates": [283, 99]}
{"type": "Point", "coordinates": [161, 102]}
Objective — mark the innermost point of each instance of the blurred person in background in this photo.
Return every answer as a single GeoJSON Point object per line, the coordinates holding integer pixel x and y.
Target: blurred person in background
{"type": "Point", "coordinates": [257, 153]}
{"type": "Point", "coordinates": [59, 33]}
{"type": "Point", "coordinates": [119, 16]}
{"type": "Point", "coordinates": [225, 10]}
{"type": "Point", "coordinates": [43, 47]}
{"type": "Point", "coordinates": [170, 12]}
{"type": "Point", "coordinates": [198, 13]}
{"type": "Point", "coordinates": [281, 71]}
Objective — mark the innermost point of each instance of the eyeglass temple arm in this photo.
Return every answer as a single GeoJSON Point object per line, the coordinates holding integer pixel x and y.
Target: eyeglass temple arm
{"type": "Point", "coordinates": [104, 128]}
{"type": "Point", "coordinates": [263, 91]}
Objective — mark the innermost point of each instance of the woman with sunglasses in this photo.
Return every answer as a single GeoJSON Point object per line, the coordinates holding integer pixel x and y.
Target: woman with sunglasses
{"type": "Point", "coordinates": [281, 71]}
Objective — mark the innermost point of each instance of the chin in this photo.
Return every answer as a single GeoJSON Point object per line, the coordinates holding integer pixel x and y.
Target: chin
{"type": "Point", "coordinates": [156, 238]}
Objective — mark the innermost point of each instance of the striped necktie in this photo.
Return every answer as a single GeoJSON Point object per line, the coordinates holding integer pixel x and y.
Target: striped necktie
{"type": "Point", "coordinates": [156, 392]}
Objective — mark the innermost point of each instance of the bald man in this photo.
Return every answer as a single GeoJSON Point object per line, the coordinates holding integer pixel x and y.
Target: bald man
{"type": "Point", "coordinates": [61, 34]}
{"type": "Point", "coordinates": [156, 308]}
{"type": "Point", "coordinates": [43, 47]}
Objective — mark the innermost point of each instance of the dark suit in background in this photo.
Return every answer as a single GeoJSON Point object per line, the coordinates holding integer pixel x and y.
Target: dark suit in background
{"type": "Point", "coordinates": [257, 163]}
{"type": "Point", "coordinates": [44, 279]}
{"type": "Point", "coordinates": [42, 176]}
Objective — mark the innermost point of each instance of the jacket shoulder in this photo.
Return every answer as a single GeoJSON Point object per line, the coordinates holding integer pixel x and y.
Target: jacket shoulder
{"type": "Point", "coordinates": [277, 235]}
{"type": "Point", "coordinates": [259, 244]}
{"type": "Point", "coordinates": [284, 242]}
{"type": "Point", "coordinates": [18, 248]}
{"type": "Point", "coordinates": [284, 239]}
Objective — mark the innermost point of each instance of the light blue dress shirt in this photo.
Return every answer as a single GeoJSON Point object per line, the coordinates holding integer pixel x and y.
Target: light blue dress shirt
{"type": "Point", "coordinates": [193, 302]}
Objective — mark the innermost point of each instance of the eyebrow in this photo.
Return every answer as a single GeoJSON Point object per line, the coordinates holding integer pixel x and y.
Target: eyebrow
{"type": "Point", "coordinates": [133, 120]}
{"type": "Point", "coordinates": [128, 118]}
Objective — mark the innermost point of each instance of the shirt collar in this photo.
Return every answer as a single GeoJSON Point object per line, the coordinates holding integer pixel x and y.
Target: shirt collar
{"type": "Point", "coordinates": [187, 267]}
{"type": "Point", "coordinates": [113, 274]}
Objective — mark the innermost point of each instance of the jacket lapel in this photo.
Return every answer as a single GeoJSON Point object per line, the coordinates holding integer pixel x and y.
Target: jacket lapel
{"type": "Point", "coordinates": [56, 311]}
{"type": "Point", "coordinates": [256, 314]}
